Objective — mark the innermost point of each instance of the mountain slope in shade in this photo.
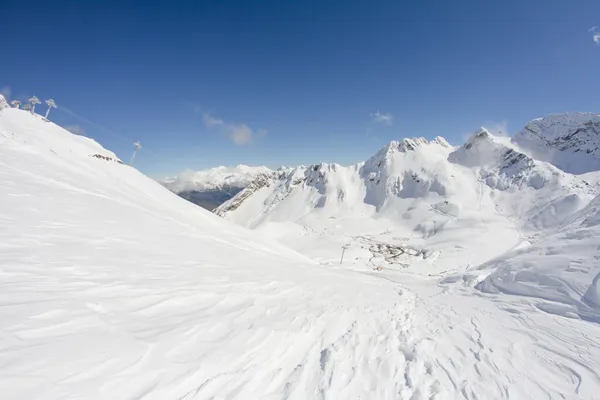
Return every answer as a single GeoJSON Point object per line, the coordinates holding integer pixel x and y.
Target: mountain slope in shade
{"type": "Point", "coordinates": [569, 141]}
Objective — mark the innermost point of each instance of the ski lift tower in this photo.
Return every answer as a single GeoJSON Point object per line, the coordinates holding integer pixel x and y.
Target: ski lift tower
{"type": "Point", "coordinates": [136, 147]}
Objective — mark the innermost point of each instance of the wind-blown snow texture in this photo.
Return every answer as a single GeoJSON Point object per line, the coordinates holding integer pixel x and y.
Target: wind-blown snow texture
{"type": "Point", "coordinates": [113, 287]}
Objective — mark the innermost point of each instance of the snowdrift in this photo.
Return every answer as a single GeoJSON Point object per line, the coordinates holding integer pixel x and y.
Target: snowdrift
{"type": "Point", "coordinates": [563, 268]}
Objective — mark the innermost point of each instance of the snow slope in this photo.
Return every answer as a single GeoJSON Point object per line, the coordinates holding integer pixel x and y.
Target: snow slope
{"type": "Point", "coordinates": [113, 287]}
{"type": "Point", "coordinates": [563, 268]}
{"type": "Point", "coordinates": [569, 141]}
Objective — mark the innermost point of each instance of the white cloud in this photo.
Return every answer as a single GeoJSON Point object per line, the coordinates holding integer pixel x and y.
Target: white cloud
{"type": "Point", "coordinates": [384, 119]}
{"type": "Point", "coordinates": [210, 121]}
{"type": "Point", "coordinates": [240, 134]}
{"type": "Point", "coordinates": [595, 34]}
{"type": "Point", "coordinates": [6, 92]}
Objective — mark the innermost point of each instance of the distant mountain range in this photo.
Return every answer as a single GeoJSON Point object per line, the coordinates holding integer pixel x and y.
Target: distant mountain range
{"type": "Point", "coordinates": [212, 187]}
{"type": "Point", "coordinates": [569, 142]}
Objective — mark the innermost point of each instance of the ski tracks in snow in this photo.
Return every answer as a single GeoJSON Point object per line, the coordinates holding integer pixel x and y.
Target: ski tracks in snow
{"type": "Point", "coordinates": [378, 356]}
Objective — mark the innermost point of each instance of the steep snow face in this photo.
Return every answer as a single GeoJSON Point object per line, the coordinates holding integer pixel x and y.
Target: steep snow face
{"type": "Point", "coordinates": [569, 141]}
{"type": "Point", "coordinates": [325, 189]}
{"type": "Point", "coordinates": [3, 102]}
{"type": "Point", "coordinates": [535, 192]}
{"type": "Point", "coordinates": [214, 178]}
{"type": "Point", "coordinates": [408, 169]}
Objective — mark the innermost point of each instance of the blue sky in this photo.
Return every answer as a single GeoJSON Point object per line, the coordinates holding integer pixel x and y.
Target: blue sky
{"type": "Point", "coordinates": [206, 83]}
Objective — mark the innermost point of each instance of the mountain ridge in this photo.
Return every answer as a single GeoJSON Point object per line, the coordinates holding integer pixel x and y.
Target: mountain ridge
{"type": "Point", "coordinates": [570, 141]}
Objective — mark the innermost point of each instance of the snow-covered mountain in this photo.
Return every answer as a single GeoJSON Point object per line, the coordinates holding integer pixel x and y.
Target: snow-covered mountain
{"type": "Point", "coordinates": [214, 178]}
{"type": "Point", "coordinates": [535, 193]}
{"type": "Point", "coordinates": [569, 141]}
{"type": "Point", "coordinates": [212, 187]}
{"type": "Point", "coordinates": [114, 287]}
{"type": "Point", "coordinates": [3, 102]}
{"type": "Point", "coordinates": [406, 180]}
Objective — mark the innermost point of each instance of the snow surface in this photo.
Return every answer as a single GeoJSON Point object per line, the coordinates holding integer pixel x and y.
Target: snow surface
{"type": "Point", "coordinates": [114, 287]}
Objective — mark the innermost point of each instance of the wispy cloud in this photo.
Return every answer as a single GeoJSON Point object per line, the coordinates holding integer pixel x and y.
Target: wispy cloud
{"type": "Point", "coordinates": [6, 92]}
{"type": "Point", "coordinates": [76, 129]}
{"type": "Point", "coordinates": [384, 119]}
{"type": "Point", "coordinates": [595, 31]}
{"type": "Point", "coordinates": [211, 121]}
{"type": "Point", "coordinates": [239, 134]}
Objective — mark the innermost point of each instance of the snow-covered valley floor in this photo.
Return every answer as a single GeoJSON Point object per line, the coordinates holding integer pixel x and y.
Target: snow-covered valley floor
{"type": "Point", "coordinates": [112, 287]}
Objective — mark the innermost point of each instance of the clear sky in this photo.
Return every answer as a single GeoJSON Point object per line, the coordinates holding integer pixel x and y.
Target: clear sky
{"type": "Point", "coordinates": [206, 83]}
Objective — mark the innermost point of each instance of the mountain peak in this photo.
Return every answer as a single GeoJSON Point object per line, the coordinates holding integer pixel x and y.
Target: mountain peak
{"type": "Point", "coordinates": [410, 144]}
{"type": "Point", "coordinates": [3, 102]}
{"type": "Point", "coordinates": [481, 135]}
{"type": "Point", "coordinates": [570, 141]}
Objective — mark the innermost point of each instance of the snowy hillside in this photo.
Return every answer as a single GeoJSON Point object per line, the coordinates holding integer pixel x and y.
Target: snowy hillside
{"type": "Point", "coordinates": [563, 268]}
{"type": "Point", "coordinates": [114, 287]}
{"type": "Point", "coordinates": [569, 141]}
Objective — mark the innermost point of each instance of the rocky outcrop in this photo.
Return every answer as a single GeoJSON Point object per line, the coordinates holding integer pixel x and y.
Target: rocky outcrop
{"type": "Point", "coordinates": [569, 141]}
